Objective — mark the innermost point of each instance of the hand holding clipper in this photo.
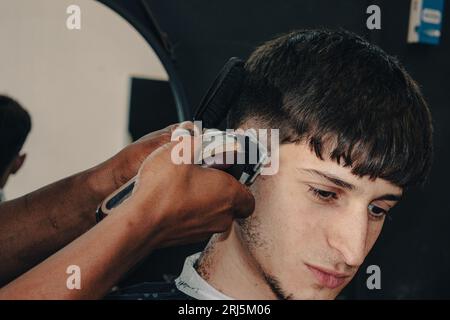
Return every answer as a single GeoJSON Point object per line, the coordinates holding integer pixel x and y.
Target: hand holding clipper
{"type": "Point", "coordinates": [226, 151]}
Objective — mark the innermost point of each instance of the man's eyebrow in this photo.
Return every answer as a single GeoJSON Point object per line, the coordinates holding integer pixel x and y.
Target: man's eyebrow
{"type": "Point", "coordinates": [333, 179]}
{"type": "Point", "coordinates": [390, 197]}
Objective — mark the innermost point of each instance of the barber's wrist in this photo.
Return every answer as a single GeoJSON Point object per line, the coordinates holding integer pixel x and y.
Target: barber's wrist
{"type": "Point", "coordinates": [100, 181]}
{"type": "Point", "coordinates": [142, 222]}
{"type": "Point", "coordinates": [116, 171]}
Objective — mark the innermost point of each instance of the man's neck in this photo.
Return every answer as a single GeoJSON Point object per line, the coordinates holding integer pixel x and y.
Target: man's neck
{"type": "Point", "coordinates": [227, 265]}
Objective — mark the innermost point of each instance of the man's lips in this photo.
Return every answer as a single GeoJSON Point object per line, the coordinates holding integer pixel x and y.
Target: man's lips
{"type": "Point", "coordinates": [328, 278]}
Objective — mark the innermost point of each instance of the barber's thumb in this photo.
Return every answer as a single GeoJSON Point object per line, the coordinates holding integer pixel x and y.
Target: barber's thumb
{"type": "Point", "coordinates": [244, 204]}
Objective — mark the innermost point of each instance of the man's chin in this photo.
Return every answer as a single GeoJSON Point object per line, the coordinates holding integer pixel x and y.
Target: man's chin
{"type": "Point", "coordinates": [317, 294]}
{"type": "Point", "coordinates": [313, 291]}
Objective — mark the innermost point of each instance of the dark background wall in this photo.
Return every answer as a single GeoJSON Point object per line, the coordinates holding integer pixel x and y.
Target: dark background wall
{"type": "Point", "coordinates": [413, 250]}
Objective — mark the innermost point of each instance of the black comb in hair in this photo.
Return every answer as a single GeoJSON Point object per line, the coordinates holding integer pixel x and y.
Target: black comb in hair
{"type": "Point", "coordinates": [225, 89]}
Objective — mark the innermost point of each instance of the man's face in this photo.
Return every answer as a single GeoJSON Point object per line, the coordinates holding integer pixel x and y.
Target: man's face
{"type": "Point", "coordinates": [314, 223]}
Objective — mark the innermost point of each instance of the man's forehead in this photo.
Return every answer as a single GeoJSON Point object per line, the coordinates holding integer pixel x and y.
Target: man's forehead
{"type": "Point", "coordinates": [301, 158]}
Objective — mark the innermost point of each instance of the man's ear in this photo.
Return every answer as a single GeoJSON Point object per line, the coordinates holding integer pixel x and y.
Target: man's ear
{"type": "Point", "coordinates": [18, 163]}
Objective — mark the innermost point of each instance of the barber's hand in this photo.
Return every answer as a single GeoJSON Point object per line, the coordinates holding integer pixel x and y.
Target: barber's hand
{"type": "Point", "coordinates": [114, 172]}
{"type": "Point", "coordinates": [185, 203]}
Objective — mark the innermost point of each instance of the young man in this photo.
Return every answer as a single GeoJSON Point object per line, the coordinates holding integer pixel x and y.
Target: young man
{"type": "Point", "coordinates": [355, 133]}
{"type": "Point", "coordinates": [15, 125]}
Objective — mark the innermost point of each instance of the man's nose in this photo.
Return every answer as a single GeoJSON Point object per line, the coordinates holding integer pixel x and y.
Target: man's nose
{"type": "Point", "coordinates": [348, 235]}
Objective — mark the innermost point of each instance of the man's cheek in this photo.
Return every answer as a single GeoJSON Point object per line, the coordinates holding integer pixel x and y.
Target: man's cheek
{"type": "Point", "coordinates": [306, 216]}
{"type": "Point", "coordinates": [293, 230]}
{"type": "Point", "coordinates": [373, 235]}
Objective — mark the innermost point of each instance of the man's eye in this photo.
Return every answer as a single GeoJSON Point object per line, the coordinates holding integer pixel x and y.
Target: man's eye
{"type": "Point", "coordinates": [322, 194]}
{"type": "Point", "coordinates": [376, 212]}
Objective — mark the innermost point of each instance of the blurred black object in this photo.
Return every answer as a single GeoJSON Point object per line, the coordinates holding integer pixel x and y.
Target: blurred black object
{"type": "Point", "coordinates": [152, 107]}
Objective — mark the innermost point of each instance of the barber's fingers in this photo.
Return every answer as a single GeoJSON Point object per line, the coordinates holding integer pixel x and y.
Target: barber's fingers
{"type": "Point", "coordinates": [172, 153]}
{"type": "Point", "coordinates": [187, 140]}
{"type": "Point", "coordinates": [155, 139]}
{"type": "Point", "coordinates": [186, 128]}
{"type": "Point", "coordinates": [243, 200]}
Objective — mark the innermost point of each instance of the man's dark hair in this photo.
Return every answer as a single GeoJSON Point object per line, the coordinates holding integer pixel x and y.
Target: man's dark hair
{"type": "Point", "coordinates": [15, 124]}
{"type": "Point", "coordinates": [324, 86]}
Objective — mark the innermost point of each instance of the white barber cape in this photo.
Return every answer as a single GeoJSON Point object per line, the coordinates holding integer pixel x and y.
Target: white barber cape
{"type": "Point", "coordinates": [192, 284]}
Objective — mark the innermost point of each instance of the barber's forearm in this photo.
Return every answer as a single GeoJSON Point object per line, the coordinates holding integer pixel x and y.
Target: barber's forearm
{"type": "Point", "coordinates": [103, 254]}
{"type": "Point", "coordinates": [36, 225]}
